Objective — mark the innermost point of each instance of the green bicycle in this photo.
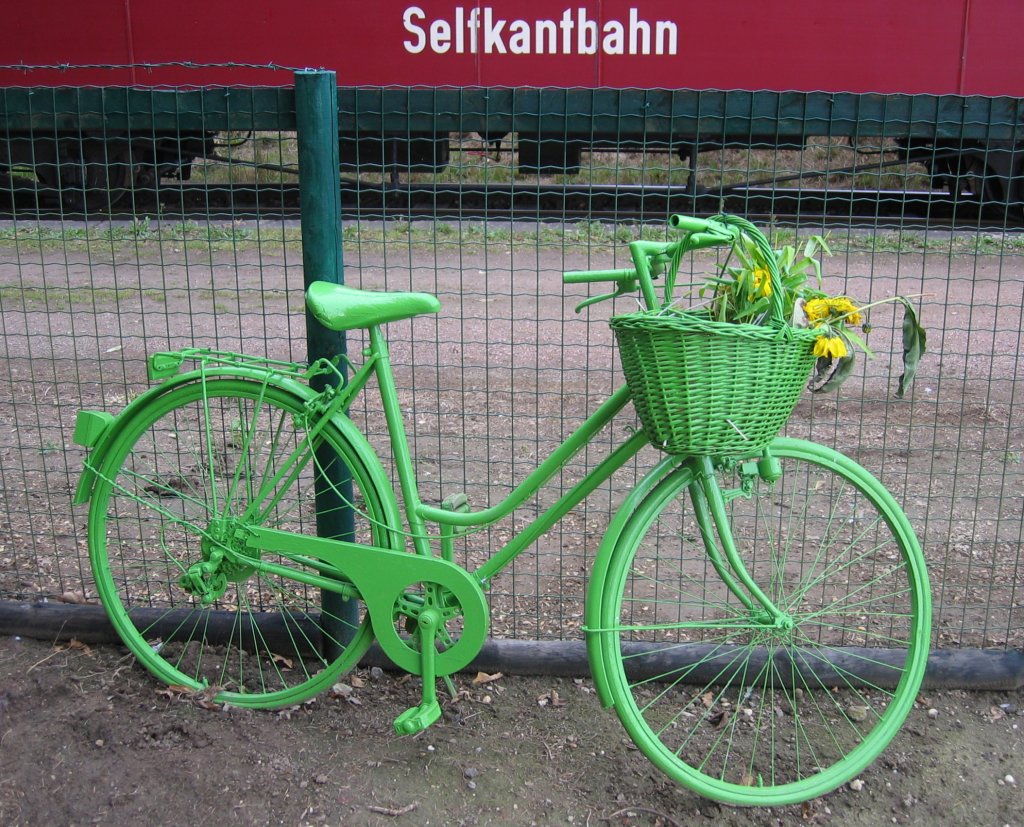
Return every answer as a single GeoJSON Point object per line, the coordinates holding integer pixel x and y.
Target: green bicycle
{"type": "Point", "coordinates": [759, 621]}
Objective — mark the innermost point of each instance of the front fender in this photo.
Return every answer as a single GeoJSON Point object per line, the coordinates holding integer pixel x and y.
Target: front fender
{"type": "Point", "coordinates": [600, 644]}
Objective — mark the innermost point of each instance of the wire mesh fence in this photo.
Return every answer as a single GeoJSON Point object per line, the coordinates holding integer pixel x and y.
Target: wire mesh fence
{"type": "Point", "coordinates": [145, 220]}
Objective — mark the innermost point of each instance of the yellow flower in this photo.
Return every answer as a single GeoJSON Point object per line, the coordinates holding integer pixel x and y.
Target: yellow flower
{"type": "Point", "coordinates": [763, 281]}
{"type": "Point", "coordinates": [842, 306]}
{"type": "Point", "coordinates": [837, 309]}
{"type": "Point", "coordinates": [831, 347]}
{"type": "Point", "coordinates": [816, 310]}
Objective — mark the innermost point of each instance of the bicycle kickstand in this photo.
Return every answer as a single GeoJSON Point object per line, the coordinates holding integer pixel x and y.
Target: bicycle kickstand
{"type": "Point", "coordinates": [420, 717]}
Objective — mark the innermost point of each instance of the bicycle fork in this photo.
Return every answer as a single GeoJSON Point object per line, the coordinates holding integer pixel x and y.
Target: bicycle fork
{"type": "Point", "coordinates": [709, 503]}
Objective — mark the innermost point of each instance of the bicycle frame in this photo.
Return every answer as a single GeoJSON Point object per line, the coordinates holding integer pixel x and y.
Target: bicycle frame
{"type": "Point", "coordinates": [380, 577]}
{"type": "Point", "coordinates": [377, 365]}
{"type": "Point", "coordinates": [427, 588]}
{"type": "Point", "coordinates": [708, 499]}
{"type": "Point", "coordinates": [345, 568]}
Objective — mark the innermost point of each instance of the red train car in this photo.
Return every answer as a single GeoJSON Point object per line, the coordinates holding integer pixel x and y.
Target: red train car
{"type": "Point", "coordinates": [959, 47]}
{"type": "Point", "coordinates": [926, 47]}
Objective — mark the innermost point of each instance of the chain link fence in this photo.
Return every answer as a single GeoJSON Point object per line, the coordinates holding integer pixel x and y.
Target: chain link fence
{"type": "Point", "coordinates": [143, 220]}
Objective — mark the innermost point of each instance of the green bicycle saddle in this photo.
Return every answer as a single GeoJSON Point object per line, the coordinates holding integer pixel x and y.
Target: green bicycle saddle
{"type": "Point", "coordinates": [338, 307]}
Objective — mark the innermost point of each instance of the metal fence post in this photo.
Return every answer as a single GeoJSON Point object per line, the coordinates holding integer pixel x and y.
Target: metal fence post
{"type": "Point", "coordinates": [316, 119]}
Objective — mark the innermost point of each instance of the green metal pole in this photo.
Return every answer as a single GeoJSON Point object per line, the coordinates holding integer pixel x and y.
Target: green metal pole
{"type": "Point", "coordinates": [316, 119]}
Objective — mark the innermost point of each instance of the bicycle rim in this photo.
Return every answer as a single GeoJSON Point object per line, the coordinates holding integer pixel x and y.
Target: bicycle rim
{"type": "Point", "coordinates": [747, 710]}
{"type": "Point", "coordinates": [206, 459]}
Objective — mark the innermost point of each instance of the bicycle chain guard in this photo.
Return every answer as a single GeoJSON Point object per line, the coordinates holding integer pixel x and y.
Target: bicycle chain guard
{"type": "Point", "coordinates": [384, 579]}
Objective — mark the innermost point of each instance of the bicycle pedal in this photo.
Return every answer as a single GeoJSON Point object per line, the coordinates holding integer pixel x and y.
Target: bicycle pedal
{"type": "Point", "coordinates": [418, 718]}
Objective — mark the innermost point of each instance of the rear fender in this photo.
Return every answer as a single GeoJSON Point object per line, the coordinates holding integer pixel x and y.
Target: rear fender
{"type": "Point", "coordinates": [98, 430]}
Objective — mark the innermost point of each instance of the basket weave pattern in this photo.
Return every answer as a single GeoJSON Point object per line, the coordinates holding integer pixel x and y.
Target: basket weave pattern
{"type": "Point", "coordinates": [711, 388]}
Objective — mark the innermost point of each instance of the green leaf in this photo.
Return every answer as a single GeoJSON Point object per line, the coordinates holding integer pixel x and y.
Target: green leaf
{"type": "Point", "coordinates": [915, 341]}
{"type": "Point", "coordinates": [755, 309]}
{"type": "Point", "coordinates": [853, 338]}
{"type": "Point", "coordinates": [785, 258]}
{"type": "Point", "coordinates": [742, 254]}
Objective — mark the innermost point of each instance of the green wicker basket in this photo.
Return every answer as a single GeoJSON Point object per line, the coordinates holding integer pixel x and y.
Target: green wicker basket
{"type": "Point", "coordinates": [712, 388]}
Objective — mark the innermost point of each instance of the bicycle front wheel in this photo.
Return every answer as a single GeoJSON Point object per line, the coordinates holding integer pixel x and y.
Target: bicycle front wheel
{"type": "Point", "coordinates": [736, 702]}
{"type": "Point", "coordinates": [183, 476]}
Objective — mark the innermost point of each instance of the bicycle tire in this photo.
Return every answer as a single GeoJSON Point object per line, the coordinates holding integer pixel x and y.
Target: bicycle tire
{"type": "Point", "coordinates": [200, 453]}
{"type": "Point", "coordinates": [733, 709]}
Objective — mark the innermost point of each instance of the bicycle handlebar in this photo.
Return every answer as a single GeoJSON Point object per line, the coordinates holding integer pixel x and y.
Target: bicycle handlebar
{"type": "Point", "coordinates": [585, 276]}
{"type": "Point", "coordinates": [651, 257]}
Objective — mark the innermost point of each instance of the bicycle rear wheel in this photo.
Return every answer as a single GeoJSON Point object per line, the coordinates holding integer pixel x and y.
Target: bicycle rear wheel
{"type": "Point", "coordinates": [182, 476]}
{"type": "Point", "coordinates": [737, 705]}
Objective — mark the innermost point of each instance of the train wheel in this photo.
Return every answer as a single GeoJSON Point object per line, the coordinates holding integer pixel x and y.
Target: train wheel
{"type": "Point", "coordinates": [970, 180]}
{"type": "Point", "coordinates": [90, 174]}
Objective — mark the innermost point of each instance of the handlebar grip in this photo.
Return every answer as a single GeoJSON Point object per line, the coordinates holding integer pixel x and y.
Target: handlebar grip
{"type": "Point", "coordinates": [585, 276]}
{"type": "Point", "coordinates": [703, 232]}
{"type": "Point", "coordinates": [689, 223]}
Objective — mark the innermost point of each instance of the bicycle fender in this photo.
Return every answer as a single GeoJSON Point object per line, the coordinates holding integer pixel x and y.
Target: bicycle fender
{"type": "Point", "coordinates": [98, 430]}
{"type": "Point", "coordinates": [598, 640]}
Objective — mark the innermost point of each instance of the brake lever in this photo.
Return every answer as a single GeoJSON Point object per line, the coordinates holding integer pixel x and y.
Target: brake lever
{"type": "Point", "coordinates": [625, 286]}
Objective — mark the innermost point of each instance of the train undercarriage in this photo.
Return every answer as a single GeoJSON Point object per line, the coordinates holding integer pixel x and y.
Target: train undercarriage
{"type": "Point", "coordinates": [98, 172]}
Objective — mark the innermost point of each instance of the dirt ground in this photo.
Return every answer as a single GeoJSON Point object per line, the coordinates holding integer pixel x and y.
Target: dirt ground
{"type": "Point", "coordinates": [87, 737]}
